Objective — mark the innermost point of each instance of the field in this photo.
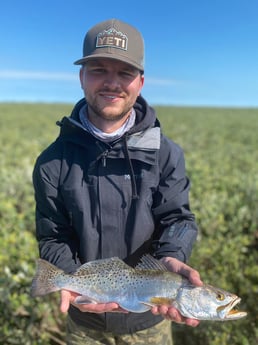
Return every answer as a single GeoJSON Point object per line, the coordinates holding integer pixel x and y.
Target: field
{"type": "Point", "coordinates": [221, 150]}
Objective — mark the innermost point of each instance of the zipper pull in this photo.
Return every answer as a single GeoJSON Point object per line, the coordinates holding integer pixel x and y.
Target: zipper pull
{"type": "Point", "coordinates": [104, 158]}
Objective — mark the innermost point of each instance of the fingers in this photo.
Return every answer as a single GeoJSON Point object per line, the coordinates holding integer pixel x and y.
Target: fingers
{"type": "Point", "coordinates": [98, 308]}
{"type": "Point", "coordinates": [65, 301]}
{"type": "Point", "coordinates": [192, 322]}
{"type": "Point", "coordinates": [194, 278]}
{"type": "Point", "coordinates": [179, 267]}
{"type": "Point", "coordinates": [172, 314]}
{"type": "Point", "coordinates": [68, 297]}
{"type": "Point", "coordinates": [191, 274]}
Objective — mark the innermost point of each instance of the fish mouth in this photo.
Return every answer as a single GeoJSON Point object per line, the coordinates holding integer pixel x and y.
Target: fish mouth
{"type": "Point", "coordinates": [228, 311]}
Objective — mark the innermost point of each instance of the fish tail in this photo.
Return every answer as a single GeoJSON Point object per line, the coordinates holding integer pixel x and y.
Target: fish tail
{"type": "Point", "coordinates": [44, 281]}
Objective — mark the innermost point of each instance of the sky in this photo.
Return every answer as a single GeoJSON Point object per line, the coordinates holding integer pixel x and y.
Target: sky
{"type": "Point", "coordinates": [197, 52]}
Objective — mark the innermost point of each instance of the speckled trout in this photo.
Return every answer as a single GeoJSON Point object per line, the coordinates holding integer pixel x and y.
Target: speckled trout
{"type": "Point", "coordinates": [137, 289]}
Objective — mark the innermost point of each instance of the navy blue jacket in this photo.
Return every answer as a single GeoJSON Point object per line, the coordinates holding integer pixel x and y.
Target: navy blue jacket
{"type": "Point", "coordinates": [96, 200]}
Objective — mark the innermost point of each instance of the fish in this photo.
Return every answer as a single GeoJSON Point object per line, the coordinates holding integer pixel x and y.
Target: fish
{"type": "Point", "coordinates": [137, 289]}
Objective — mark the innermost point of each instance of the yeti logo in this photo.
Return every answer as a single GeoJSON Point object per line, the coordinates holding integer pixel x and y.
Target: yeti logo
{"type": "Point", "coordinates": [112, 38]}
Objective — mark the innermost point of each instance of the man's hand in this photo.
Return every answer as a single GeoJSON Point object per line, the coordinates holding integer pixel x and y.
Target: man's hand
{"type": "Point", "coordinates": [68, 297]}
{"type": "Point", "coordinates": [171, 313]}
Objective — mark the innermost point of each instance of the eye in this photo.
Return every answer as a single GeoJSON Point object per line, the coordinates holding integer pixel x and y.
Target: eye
{"type": "Point", "coordinates": [129, 73]}
{"type": "Point", "coordinates": [220, 296]}
{"type": "Point", "coordinates": [97, 70]}
{"type": "Point", "coordinates": [126, 75]}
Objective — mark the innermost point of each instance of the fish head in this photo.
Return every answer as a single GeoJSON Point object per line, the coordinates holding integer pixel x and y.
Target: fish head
{"type": "Point", "coordinates": [209, 303]}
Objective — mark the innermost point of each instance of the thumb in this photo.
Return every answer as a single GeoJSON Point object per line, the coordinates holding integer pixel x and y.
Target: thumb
{"type": "Point", "coordinates": [194, 278]}
{"type": "Point", "coordinates": [65, 301]}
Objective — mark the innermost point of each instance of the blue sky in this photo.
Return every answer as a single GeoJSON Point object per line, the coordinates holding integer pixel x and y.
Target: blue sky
{"type": "Point", "coordinates": [197, 52]}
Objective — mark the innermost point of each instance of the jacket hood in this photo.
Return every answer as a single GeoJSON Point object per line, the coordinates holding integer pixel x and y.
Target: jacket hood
{"type": "Point", "coordinates": [145, 114]}
{"type": "Point", "coordinates": [73, 131]}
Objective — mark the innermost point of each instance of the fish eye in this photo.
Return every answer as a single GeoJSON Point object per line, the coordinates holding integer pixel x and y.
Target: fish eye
{"type": "Point", "coordinates": [220, 296]}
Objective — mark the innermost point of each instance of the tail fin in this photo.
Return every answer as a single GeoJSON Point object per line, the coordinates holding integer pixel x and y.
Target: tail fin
{"type": "Point", "coordinates": [44, 281]}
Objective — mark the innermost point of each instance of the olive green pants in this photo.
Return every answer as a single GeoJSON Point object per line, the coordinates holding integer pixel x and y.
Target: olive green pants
{"type": "Point", "coordinates": [159, 334]}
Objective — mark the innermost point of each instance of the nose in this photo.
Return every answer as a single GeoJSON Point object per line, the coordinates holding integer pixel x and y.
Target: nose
{"type": "Point", "coordinates": [112, 81]}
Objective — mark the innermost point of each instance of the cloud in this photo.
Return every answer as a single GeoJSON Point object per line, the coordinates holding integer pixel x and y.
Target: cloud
{"type": "Point", "coordinates": [37, 75]}
{"type": "Point", "coordinates": [163, 82]}
{"type": "Point", "coordinates": [61, 76]}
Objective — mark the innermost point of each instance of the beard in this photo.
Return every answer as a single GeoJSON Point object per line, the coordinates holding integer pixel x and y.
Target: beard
{"type": "Point", "coordinates": [108, 116]}
{"type": "Point", "coordinates": [110, 112]}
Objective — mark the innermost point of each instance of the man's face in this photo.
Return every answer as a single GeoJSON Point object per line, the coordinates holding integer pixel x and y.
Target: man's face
{"type": "Point", "coordinates": [110, 87]}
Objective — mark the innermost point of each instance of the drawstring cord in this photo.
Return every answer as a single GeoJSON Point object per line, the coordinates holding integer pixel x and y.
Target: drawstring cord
{"type": "Point", "coordinates": [104, 155]}
{"type": "Point", "coordinates": [133, 181]}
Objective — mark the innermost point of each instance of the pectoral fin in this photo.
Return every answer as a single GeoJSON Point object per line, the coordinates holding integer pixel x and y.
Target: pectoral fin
{"type": "Point", "coordinates": [161, 301]}
{"type": "Point", "coordinates": [156, 301]}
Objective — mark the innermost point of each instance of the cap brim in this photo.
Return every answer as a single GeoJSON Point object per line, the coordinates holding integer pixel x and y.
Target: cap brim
{"type": "Point", "coordinates": [83, 60]}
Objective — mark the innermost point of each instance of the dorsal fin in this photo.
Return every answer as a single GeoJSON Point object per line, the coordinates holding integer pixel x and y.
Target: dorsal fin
{"type": "Point", "coordinates": [148, 262]}
{"type": "Point", "coordinates": [102, 265]}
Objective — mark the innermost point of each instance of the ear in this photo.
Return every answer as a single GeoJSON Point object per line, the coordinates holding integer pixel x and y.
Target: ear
{"type": "Point", "coordinates": [82, 77]}
{"type": "Point", "coordinates": [141, 84]}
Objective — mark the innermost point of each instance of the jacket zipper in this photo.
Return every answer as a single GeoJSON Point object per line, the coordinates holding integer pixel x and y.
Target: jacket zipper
{"type": "Point", "coordinates": [104, 158]}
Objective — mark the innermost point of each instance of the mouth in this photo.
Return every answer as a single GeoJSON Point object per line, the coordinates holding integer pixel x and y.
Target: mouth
{"type": "Point", "coordinates": [110, 96]}
{"type": "Point", "coordinates": [229, 312]}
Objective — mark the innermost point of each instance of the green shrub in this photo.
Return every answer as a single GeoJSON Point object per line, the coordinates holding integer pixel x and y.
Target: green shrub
{"type": "Point", "coordinates": [221, 155]}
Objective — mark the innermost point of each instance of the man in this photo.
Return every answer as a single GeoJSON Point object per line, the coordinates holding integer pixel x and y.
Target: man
{"type": "Point", "coordinates": [113, 185]}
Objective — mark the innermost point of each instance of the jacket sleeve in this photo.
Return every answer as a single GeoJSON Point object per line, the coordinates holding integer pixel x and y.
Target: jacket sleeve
{"type": "Point", "coordinates": [176, 227]}
{"type": "Point", "coordinates": [57, 242]}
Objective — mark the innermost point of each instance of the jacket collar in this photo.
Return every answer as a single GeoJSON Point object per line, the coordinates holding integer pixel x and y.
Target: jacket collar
{"type": "Point", "coordinates": [145, 114]}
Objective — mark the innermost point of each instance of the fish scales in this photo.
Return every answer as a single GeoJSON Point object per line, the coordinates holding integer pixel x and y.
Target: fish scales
{"type": "Point", "coordinates": [129, 284]}
{"type": "Point", "coordinates": [137, 289]}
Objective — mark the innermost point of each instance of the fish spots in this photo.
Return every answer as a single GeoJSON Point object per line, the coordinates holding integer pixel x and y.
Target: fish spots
{"type": "Point", "coordinates": [136, 289]}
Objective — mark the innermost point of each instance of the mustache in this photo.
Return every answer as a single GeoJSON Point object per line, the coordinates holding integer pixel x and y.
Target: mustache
{"type": "Point", "coordinates": [116, 89]}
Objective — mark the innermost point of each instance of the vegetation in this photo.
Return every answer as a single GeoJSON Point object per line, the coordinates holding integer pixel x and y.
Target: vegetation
{"type": "Point", "coordinates": [221, 155]}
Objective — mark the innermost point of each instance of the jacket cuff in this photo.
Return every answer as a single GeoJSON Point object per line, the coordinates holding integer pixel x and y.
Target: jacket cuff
{"type": "Point", "coordinates": [176, 241]}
